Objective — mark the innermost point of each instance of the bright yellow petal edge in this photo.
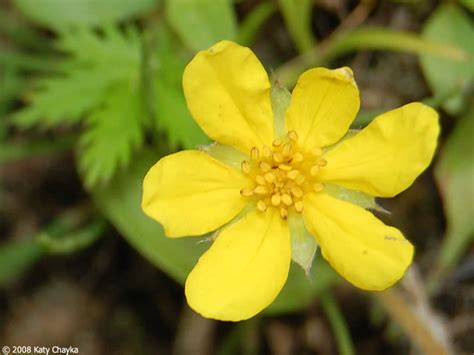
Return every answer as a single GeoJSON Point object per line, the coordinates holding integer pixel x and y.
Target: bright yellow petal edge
{"type": "Point", "coordinates": [227, 91]}
{"type": "Point", "coordinates": [386, 156]}
{"type": "Point", "coordinates": [191, 193]}
{"type": "Point", "coordinates": [244, 269]}
{"type": "Point", "coordinates": [366, 252]}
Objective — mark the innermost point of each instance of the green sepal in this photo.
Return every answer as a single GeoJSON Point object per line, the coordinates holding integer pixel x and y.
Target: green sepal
{"type": "Point", "coordinates": [303, 244]}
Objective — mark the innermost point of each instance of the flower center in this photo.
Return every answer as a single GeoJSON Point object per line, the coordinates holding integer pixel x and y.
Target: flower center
{"type": "Point", "coordinates": [283, 174]}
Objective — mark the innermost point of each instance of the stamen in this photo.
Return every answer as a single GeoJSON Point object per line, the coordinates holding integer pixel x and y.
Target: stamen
{"type": "Point", "coordinates": [261, 206]}
{"type": "Point", "coordinates": [299, 206]}
{"type": "Point", "coordinates": [264, 166]}
{"type": "Point", "coordinates": [293, 174]}
{"type": "Point", "coordinates": [292, 135]}
{"type": "Point", "coordinates": [287, 200]}
{"type": "Point", "coordinates": [296, 191]}
{"type": "Point", "coordinates": [283, 213]}
{"type": "Point", "coordinates": [284, 167]}
{"type": "Point", "coordinates": [278, 157]}
{"type": "Point", "coordinates": [261, 190]}
{"type": "Point", "coordinates": [267, 152]}
{"type": "Point", "coordinates": [254, 153]}
{"type": "Point", "coordinates": [276, 199]}
{"type": "Point", "coordinates": [245, 167]}
{"type": "Point", "coordinates": [314, 170]}
{"type": "Point", "coordinates": [277, 142]}
{"type": "Point", "coordinates": [300, 179]}
{"type": "Point", "coordinates": [297, 158]}
{"type": "Point", "coordinates": [322, 162]}
{"type": "Point", "coordinates": [260, 180]}
{"type": "Point", "coordinates": [270, 177]}
{"type": "Point", "coordinates": [246, 192]}
{"type": "Point", "coordinates": [286, 151]}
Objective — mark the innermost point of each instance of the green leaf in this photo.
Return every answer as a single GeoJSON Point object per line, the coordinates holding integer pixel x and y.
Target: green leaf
{"type": "Point", "coordinates": [469, 4]}
{"type": "Point", "coordinates": [114, 131]}
{"type": "Point", "coordinates": [16, 258]}
{"type": "Point", "coordinates": [169, 106]}
{"type": "Point", "coordinates": [201, 23]}
{"type": "Point", "coordinates": [94, 63]}
{"type": "Point", "coordinates": [63, 98]}
{"type": "Point", "coordinates": [297, 16]}
{"type": "Point", "coordinates": [62, 13]}
{"type": "Point", "coordinates": [455, 177]}
{"type": "Point", "coordinates": [120, 202]}
{"type": "Point", "coordinates": [252, 23]}
{"type": "Point", "coordinates": [451, 25]}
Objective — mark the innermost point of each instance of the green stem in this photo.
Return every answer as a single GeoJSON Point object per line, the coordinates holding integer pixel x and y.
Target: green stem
{"type": "Point", "coordinates": [366, 38]}
{"type": "Point", "coordinates": [253, 21]}
{"type": "Point", "coordinates": [338, 323]}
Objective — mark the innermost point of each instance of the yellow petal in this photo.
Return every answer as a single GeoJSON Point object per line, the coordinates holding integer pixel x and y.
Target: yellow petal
{"type": "Point", "coordinates": [190, 193]}
{"type": "Point", "coordinates": [360, 247]}
{"type": "Point", "coordinates": [386, 156]}
{"type": "Point", "coordinates": [323, 105]}
{"type": "Point", "coordinates": [244, 270]}
{"type": "Point", "coordinates": [228, 93]}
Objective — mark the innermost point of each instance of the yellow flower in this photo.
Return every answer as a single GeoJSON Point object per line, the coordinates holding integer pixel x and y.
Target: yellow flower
{"type": "Point", "coordinates": [283, 173]}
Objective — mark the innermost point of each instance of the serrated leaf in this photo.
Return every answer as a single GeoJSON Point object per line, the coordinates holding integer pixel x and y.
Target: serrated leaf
{"type": "Point", "coordinates": [62, 13]}
{"type": "Point", "coordinates": [447, 78]}
{"type": "Point", "coordinates": [95, 62]}
{"type": "Point", "coordinates": [63, 98]}
{"type": "Point", "coordinates": [115, 130]}
{"type": "Point", "coordinates": [201, 23]}
{"type": "Point", "coordinates": [171, 112]}
{"type": "Point", "coordinates": [455, 177]}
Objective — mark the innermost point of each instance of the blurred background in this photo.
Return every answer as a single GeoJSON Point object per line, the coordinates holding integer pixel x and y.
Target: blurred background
{"type": "Point", "coordinates": [90, 98]}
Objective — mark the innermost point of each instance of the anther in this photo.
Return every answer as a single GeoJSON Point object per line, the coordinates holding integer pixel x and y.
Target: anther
{"type": "Point", "coordinates": [260, 180]}
{"type": "Point", "coordinates": [264, 166]}
{"type": "Point", "coordinates": [266, 152]}
{"type": "Point", "coordinates": [299, 206]}
{"type": "Point", "coordinates": [297, 158]}
{"type": "Point", "coordinates": [296, 191]}
{"type": "Point", "coordinates": [261, 206]}
{"type": "Point", "coordinates": [278, 158]}
{"type": "Point", "coordinates": [269, 177]}
{"type": "Point", "coordinates": [287, 200]}
{"type": "Point", "coordinates": [300, 179]}
{"type": "Point", "coordinates": [314, 170]}
{"type": "Point", "coordinates": [260, 190]}
{"type": "Point", "coordinates": [292, 135]}
{"type": "Point", "coordinates": [322, 162]}
{"type": "Point", "coordinates": [293, 174]}
{"type": "Point", "coordinates": [286, 151]}
{"type": "Point", "coordinates": [318, 187]}
{"type": "Point", "coordinates": [283, 213]}
{"type": "Point", "coordinates": [276, 199]}
{"type": "Point", "coordinates": [277, 142]}
{"type": "Point", "coordinates": [246, 192]}
{"type": "Point", "coordinates": [245, 166]}
{"type": "Point", "coordinates": [254, 153]}
{"type": "Point", "coordinates": [284, 167]}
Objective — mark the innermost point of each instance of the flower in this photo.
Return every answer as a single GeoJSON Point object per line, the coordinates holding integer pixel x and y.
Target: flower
{"type": "Point", "coordinates": [284, 171]}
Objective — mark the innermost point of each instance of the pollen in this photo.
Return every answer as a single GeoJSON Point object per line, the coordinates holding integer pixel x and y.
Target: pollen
{"type": "Point", "coordinates": [283, 174]}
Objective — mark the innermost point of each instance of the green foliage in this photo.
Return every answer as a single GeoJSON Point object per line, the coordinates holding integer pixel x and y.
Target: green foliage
{"type": "Point", "coordinates": [450, 79]}
{"type": "Point", "coordinates": [297, 15]}
{"type": "Point", "coordinates": [115, 130]}
{"type": "Point", "coordinates": [252, 23]}
{"type": "Point", "coordinates": [455, 177]}
{"type": "Point", "coordinates": [171, 114]}
{"type": "Point", "coordinates": [16, 258]}
{"type": "Point", "coordinates": [201, 23]}
{"type": "Point", "coordinates": [62, 13]}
